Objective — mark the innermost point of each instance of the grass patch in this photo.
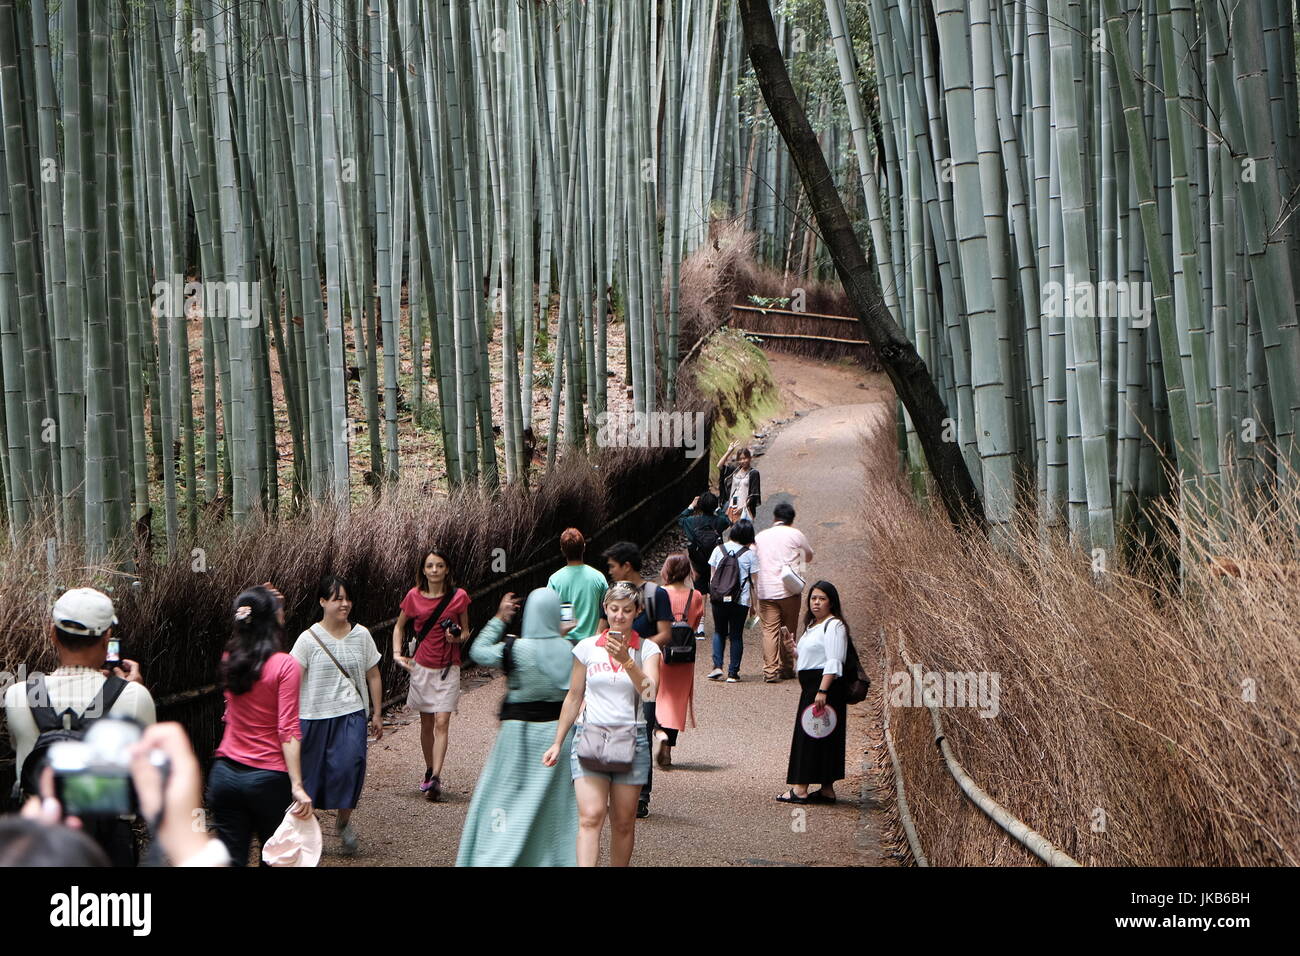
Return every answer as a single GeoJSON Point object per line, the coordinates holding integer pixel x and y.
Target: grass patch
{"type": "Point", "coordinates": [733, 373]}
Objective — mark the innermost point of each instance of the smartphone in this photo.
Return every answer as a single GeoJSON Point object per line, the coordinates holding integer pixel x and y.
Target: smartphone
{"type": "Point", "coordinates": [616, 635]}
{"type": "Point", "coordinates": [114, 657]}
{"type": "Point", "coordinates": [566, 612]}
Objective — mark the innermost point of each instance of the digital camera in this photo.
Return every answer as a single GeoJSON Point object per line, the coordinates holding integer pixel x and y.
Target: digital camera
{"type": "Point", "coordinates": [92, 776]}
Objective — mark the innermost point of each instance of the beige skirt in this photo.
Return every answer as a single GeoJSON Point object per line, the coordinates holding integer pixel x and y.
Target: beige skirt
{"type": "Point", "coordinates": [430, 692]}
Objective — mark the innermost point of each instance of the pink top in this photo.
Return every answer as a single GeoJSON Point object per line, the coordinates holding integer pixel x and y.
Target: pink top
{"type": "Point", "coordinates": [776, 547]}
{"type": "Point", "coordinates": [435, 650]}
{"type": "Point", "coordinates": [259, 721]}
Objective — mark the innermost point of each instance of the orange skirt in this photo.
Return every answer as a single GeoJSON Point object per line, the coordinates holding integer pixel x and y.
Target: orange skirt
{"type": "Point", "coordinates": [675, 700]}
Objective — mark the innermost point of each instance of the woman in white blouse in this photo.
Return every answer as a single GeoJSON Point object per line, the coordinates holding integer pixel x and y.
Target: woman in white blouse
{"type": "Point", "coordinates": [817, 747]}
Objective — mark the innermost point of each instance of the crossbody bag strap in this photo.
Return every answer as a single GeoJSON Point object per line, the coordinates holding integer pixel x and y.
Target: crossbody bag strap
{"type": "Point", "coordinates": [636, 707]}
{"type": "Point", "coordinates": [342, 670]}
{"type": "Point", "coordinates": [433, 619]}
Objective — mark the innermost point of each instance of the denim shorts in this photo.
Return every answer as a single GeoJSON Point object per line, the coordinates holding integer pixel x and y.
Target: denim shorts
{"type": "Point", "coordinates": [637, 776]}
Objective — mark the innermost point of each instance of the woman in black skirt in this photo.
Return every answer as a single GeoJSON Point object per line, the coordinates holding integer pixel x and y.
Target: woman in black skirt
{"type": "Point", "coordinates": [818, 756]}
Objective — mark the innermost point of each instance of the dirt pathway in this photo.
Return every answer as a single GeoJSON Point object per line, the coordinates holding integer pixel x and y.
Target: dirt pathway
{"type": "Point", "coordinates": [716, 807]}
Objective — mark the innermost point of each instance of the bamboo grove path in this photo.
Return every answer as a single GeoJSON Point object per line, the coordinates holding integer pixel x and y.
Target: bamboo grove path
{"type": "Point", "coordinates": [716, 806]}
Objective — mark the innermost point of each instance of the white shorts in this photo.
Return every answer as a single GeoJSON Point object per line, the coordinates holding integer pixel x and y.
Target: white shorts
{"type": "Point", "coordinates": [430, 692]}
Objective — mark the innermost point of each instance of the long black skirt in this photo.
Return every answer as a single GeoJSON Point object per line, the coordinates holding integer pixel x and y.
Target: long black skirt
{"type": "Point", "coordinates": [813, 760]}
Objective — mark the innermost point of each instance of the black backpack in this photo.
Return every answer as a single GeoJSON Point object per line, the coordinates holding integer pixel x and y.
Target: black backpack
{"type": "Point", "coordinates": [54, 727]}
{"type": "Point", "coordinates": [725, 583]}
{"type": "Point", "coordinates": [856, 681]}
{"type": "Point", "coordinates": [705, 540]}
{"type": "Point", "coordinates": [681, 640]}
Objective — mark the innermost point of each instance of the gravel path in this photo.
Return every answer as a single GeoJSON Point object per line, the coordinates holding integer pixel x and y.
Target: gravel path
{"type": "Point", "coordinates": [716, 806]}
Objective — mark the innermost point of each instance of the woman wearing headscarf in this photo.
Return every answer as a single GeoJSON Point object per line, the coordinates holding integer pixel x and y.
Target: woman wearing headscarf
{"type": "Point", "coordinates": [524, 813]}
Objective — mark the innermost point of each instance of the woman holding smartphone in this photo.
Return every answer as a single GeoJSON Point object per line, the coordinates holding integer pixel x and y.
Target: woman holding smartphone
{"type": "Point", "coordinates": [613, 672]}
{"type": "Point", "coordinates": [437, 611]}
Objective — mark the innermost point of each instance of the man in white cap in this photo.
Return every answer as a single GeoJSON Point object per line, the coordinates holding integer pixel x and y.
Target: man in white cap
{"type": "Point", "coordinates": [82, 623]}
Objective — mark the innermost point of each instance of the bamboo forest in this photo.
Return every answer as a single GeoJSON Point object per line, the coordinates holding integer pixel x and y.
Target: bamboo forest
{"type": "Point", "coordinates": [897, 399]}
{"type": "Point", "coordinates": [1080, 213]}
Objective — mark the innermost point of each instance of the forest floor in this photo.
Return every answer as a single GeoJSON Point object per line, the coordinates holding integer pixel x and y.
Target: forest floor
{"type": "Point", "coordinates": [419, 434]}
{"type": "Point", "coordinates": [716, 807]}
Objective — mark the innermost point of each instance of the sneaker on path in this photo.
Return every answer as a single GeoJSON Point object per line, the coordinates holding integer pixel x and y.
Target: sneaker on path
{"type": "Point", "coordinates": [428, 781]}
{"type": "Point", "coordinates": [733, 678]}
{"type": "Point", "coordinates": [715, 674]}
{"type": "Point", "coordinates": [349, 838]}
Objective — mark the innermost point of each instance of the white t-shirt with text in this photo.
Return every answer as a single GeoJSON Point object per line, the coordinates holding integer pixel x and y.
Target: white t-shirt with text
{"type": "Point", "coordinates": [611, 698]}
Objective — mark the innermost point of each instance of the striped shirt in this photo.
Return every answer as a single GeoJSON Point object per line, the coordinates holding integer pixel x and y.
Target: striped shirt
{"type": "Point", "coordinates": [325, 691]}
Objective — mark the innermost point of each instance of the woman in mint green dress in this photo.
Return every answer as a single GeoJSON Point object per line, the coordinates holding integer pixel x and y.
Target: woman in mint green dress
{"type": "Point", "coordinates": [524, 813]}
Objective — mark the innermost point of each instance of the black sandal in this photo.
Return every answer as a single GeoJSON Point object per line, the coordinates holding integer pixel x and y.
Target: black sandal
{"type": "Point", "coordinates": [817, 796]}
{"type": "Point", "coordinates": [791, 797]}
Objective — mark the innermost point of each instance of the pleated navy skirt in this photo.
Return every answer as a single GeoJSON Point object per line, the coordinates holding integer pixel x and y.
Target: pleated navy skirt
{"type": "Point", "coordinates": [814, 760]}
{"type": "Point", "coordinates": [334, 760]}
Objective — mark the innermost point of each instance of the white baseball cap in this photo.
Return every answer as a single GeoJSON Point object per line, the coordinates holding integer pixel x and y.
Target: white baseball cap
{"type": "Point", "coordinates": [84, 611]}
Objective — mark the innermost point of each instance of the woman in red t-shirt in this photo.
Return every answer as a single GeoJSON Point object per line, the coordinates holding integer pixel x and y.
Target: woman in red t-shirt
{"type": "Point", "coordinates": [437, 609]}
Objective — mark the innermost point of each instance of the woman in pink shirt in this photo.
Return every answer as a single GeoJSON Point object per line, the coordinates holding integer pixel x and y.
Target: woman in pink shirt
{"type": "Point", "coordinates": [257, 773]}
{"type": "Point", "coordinates": [438, 614]}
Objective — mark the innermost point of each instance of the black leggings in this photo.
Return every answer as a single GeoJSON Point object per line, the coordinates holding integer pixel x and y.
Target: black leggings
{"type": "Point", "coordinates": [244, 802]}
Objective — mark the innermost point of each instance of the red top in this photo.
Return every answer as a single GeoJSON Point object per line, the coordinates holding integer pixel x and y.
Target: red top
{"type": "Point", "coordinates": [259, 721]}
{"type": "Point", "coordinates": [435, 650]}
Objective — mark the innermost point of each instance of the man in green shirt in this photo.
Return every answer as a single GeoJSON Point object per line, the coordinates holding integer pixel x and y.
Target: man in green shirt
{"type": "Point", "coordinates": [579, 584]}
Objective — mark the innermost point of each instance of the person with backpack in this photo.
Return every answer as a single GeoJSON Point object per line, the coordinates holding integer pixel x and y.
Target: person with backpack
{"type": "Point", "coordinates": [438, 612]}
{"type": "Point", "coordinates": [731, 589]}
{"type": "Point", "coordinates": [704, 528]}
{"type": "Point", "coordinates": [825, 679]}
{"type": "Point", "coordinates": [612, 674]}
{"type": "Point", "coordinates": [83, 690]}
{"type": "Point", "coordinates": [524, 813]}
{"type": "Point", "coordinates": [675, 701]}
{"type": "Point", "coordinates": [653, 622]}
{"type": "Point", "coordinates": [340, 683]}
{"type": "Point", "coordinates": [257, 772]}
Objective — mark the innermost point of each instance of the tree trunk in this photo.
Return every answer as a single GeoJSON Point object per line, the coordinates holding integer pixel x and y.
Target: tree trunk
{"type": "Point", "coordinates": [900, 360]}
